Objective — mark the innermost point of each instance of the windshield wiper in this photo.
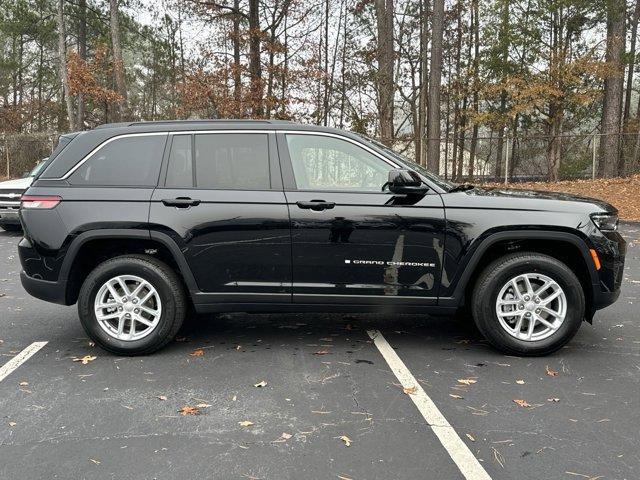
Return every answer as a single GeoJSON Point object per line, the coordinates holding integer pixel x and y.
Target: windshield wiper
{"type": "Point", "coordinates": [463, 187]}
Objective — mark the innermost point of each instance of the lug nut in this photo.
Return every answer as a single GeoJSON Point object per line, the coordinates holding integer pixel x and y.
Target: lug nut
{"type": "Point", "coordinates": [528, 314]}
{"type": "Point", "coordinates": [135, 300]}
{"type": "Point", "coordinates": [526, 298]}
{"type": "Point", "coordinates": [119, 309]}
{"type": "Point", "coordinates": [521, 306]}
{"type": "Point", "coordinates": [538, 310]}
{"type": "Point", "coordinates": [137, 310]}
{"type": "Point", "coordinates": [125, 299]}
{"type": "Point", "coordinates": [127, 315]}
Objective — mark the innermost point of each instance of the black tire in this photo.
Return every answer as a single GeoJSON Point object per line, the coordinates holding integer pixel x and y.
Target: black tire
{"type": "Point", "coordinates": [164, 280]}
{"type": "Point", "coordinates": [10, 227]}
{"type": "Point", "coordinates": [497, 274]}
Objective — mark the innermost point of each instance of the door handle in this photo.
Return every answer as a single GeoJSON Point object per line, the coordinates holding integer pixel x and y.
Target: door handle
{"type": "Point", "coordinates": [180, 202]}
{"type": "Point", "coordinates": [316, 205]}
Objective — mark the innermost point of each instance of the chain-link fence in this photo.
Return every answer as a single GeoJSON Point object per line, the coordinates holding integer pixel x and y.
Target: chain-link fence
{"type": "Point", "coordinates": [486, 159]}
{"type": "Point", "coordinates": [539, 158]}
{"type": "Point", "coordinates": [19, 153]}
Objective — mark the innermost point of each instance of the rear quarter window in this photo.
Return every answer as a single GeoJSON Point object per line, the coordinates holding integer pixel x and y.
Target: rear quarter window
{"type": "Point", "coordinates": [127, 161]}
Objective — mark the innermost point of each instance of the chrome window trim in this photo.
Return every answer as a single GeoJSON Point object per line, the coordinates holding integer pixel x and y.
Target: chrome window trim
{"type": "Point", "coordinates": [196, 132]}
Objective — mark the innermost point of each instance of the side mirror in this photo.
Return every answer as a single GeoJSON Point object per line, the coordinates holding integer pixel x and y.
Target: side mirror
{"type": "Point", "coordinates": [405, 181]}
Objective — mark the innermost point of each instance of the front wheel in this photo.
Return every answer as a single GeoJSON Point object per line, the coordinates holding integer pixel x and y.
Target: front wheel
{"type": "Point", "coordinates": [132, 305]}
{"type": "Point", "coordinates": [528, 304]}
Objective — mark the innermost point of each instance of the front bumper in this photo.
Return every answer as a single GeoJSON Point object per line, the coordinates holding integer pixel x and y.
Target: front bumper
{"type": "Point", "coordinates": [43, 289]}
{"type": "Point", "coordinates": [611, 249]}
{"type": "Point", "coordinates": [9, 215]}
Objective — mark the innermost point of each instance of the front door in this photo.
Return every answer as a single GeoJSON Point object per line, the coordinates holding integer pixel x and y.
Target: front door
{"type": "Point", "coordinates": [351, 242]}
{"type": "Point", "coordinates": [221, 201]}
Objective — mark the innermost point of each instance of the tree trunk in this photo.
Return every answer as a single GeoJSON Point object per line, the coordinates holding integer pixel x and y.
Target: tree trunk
{"type": "Point", "coordinates": [475, 27]}
{"type": "Point", "coordinates": [82, 52]}
{"type": "Point", "coordinates": [421, 151]}
{"type": "Point", "coordinates": [237, 78]}
{"type": "Point", "coordinates": [118, 64]}
{"type": "Point", "coordinates": [632, 59]}
{"type": "Point", "coordinates": [384, 52]}
{"type": "Point", "coordinates": [62, 65]}
{"type": "Point", "coordinates": [435, 77]}
{"type": "Point", "coordinates": [255, 67]}
{"type": "Point", "coordinates": [609, 165]}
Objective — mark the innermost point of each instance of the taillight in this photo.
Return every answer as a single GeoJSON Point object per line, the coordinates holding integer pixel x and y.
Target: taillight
{"type": "Point", "coordinates": [39, 202]}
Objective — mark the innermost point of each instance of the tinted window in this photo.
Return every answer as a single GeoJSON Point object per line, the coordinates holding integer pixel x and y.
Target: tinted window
{"type": "Point", "coordinates": [180, 171]}
{"type": "Point", "coordinates": [124, 161]}
{"type": "Point", "coordinates": [233, 161]}
{"type": "Point", "coordinates": [328, 163]}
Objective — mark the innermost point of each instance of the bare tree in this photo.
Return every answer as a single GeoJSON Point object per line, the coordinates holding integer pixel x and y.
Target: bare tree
{"type": "Point", "coordinates": [255, 67]}
{"type": "Point", "coordinates": [435, 77]}
{"type": "Point", "coordinates": [62, 65]}
{"type": "Point", "coordinates": [384, 18]}
{"type": "Point", "coordinates": [611, 110]}
{"type": "Point", "coordinates": [117, 59]}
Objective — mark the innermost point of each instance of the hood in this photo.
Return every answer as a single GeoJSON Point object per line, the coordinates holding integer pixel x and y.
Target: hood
{"type": "Point", "coordinates": [17, 184]}
{"type": "Point", "coordinates": [542, 200]}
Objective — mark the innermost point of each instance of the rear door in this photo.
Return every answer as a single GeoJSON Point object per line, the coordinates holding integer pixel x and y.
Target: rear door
{"type": "Point", "coordinates": [351, 242]}
{"type": "Point", "coordinates": [220, 198]}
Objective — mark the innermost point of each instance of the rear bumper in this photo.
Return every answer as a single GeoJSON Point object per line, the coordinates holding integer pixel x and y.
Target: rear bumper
{"type": "Point", "coordinates": [44, 290]}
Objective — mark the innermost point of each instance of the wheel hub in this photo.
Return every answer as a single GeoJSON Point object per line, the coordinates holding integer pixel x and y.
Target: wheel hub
{"type": "Point", "coordinates": [531, 307]}
{"type": "Point", "coordinates": [128, 307]}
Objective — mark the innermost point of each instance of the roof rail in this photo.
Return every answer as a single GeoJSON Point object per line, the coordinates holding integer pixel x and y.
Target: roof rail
{"type": "Point", "coordinates": [192, 122]}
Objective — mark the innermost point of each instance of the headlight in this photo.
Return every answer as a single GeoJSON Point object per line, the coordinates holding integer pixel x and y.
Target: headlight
{"type": "Point", "coordinates": [606, 222]}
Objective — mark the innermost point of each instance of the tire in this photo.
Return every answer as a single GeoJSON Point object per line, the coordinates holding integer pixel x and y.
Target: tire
{"type": "Point", "coordinates": [10, 227]}
{"type": "Point", "coordinates": [168, 298]}
{"type": "Point", "coordinates": [539, 269]}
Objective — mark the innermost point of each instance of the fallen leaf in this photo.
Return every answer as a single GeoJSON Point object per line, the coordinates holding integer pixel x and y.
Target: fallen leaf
{"type": "Point", "coordinates": [239, 347]}
{"type": "Point", "coordinates": [553, 399]}
{"type": "Point", "coordinates": [410, 390]}
{"type": "Point", "coordinates": [467, 381]}
{"type": "Point", "coordinates": [453, 395]}
{"type": "Point", "coordinates": [346, 440]}
{"type": "Point", "coordinates": [92, 344]}
{"type": "Point", "coordinates": [203, 405]}
{"type": "Point", "coordinates": [522, 403]}
{"type": "Point", "coordinates": [234, 398]}
{"type": "Point", "coordinates": [24, 384]}
{"type": "Point", "coordinates": [188, 410]}
{"type": "Point", "coordinates": [286, 436]}
{"type": "Point", "coordinates": [261, 384]}
{"type": "Point", "coordinates": [197, 353]}
{"type": "Point", "coordinates": [181, 339]}
{"type": "Point", "coordinates": [97, 462]}
{"type": "Point", "coordinates": [322, 352]}
{"type": "Point", "coordinates": [520, 382]}
{"type": "Point", "coordinates": [470, 437]}
{"type": "Point", "coordinates": [245, 423]}
{"type": "Point", "coordinates": [162, 397]}
{"type": "Point", "coordinates": [342, 477]}
{"type": "Point", "coordinates": [12, 424]}
{"type": "Point", "coordinates": [551, 373]}
{"type": "Point", "coordinates": [86, 359]}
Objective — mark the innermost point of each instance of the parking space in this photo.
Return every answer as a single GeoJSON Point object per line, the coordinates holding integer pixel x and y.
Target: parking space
{"type": "Point", "coordinates": [325, 385]}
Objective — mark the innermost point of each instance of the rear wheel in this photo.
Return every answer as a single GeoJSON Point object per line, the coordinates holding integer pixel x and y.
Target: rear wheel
{"type": "Point", "coordinates": [132, 305]}
{"type": "Point", "coordinates": [528, 304]}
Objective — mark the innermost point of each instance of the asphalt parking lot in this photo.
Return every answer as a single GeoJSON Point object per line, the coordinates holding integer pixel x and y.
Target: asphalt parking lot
{"type": "Point", "coordinates": [327, 385]}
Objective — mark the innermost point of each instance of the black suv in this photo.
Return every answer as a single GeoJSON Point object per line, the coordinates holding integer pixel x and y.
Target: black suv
{"type": "Point", "coordinates": [139, 223]}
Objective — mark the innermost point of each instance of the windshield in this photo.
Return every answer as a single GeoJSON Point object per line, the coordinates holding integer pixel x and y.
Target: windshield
{"type": "Point", "coordinates": [410, 164]}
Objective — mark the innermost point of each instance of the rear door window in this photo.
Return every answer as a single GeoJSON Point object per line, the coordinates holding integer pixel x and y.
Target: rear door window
{"type": "Point", "coordinates": [128, 161]}
{"type": "Point", "coordinates": [237, 161]}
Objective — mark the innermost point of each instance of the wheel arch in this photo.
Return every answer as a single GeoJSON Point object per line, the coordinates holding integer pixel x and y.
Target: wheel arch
{"type": "Point", "coordinates": [89, 249]}
{"type": "Point", "coordinates": [567, 247]}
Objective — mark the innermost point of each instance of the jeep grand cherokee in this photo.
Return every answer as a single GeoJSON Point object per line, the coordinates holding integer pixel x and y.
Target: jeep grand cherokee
{"type": "Point", "coordinates": [138, 222]}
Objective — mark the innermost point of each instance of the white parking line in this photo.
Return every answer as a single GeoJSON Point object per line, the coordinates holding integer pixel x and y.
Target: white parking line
{"type": "Point", "coordinates": [450, 440]}
{"type": "Point", "coordinates": [20, 358]}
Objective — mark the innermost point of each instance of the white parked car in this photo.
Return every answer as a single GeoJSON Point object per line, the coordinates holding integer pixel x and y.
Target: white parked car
{"type": "Point", "coordinates": [10, 193]}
